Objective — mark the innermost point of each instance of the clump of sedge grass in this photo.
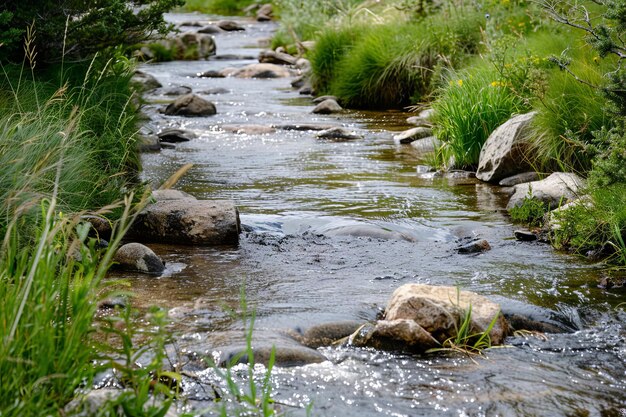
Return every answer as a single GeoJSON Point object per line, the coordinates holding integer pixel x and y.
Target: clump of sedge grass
{"type": "Point", "coordinates": [470, 107]}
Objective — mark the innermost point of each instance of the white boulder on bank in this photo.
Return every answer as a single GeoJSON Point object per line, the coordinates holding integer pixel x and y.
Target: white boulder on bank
{"type": "Point", "coordinates": [558, 189]}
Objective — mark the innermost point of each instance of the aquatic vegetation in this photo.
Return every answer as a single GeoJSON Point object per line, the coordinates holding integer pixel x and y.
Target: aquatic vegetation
{"type": "Point", "coordinates": [531, 212]}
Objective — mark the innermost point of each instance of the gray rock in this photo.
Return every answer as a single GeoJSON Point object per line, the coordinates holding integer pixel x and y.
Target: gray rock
{"type": "Point", "coordinates": [145, 81]}
{"type": "Point", "coordinates": [307, 90]}
{"type": "Point", "coordinates": [265, 13]}
{"type": "Point", "coordinates": [326, 334]}
{"type": "Point", "coordinates": [210, 29]}
{"type": "Point", "coordinates": [232, 57]}
{"type": "Point", "coordinates": [305, 127]}
{"type": "Point", "coordinates": [519, 179]}
{"type": "Point", "coordinates": [210, 74]}
{"type": "Point", "coordinates": [278, 58]}
{"type": "Point", "coordinates": [502, 155]}
{"type": "Point", "coordinates": [188, 222]}
{"type": "Point", "coordinates": [476, 246]}
{"type": "Point", "coordinates": [139, 258]}
{"type": "Point", "coordinates": [327, 106]}
{"type": "Point", "coordinates": [412, 135]}
{"type": "Point", "coordinates": [214, 91]}
{"type": "Point", "coordinates": [426, 145]}
{"type": "Point", "coordinates": [173, 91]}
{"type": "Point", "coordinates": [190, 105]}
{"type": "Point", "coordinates": [230, 26]}
{"type": "Point", "coordinates": [148, 143]}
{"type": "Point", "coordinates": [427, 114]}
{"type": "Point", "coordinates": [303, 64]}
{"type": "Point", "coordinates": [418, 121]}
{"type": "Point", "coordinates": [258, 71]}
{"type": "Point", "coordinates": [338, 133]}
{"type": "Point", "coordinates": [101, 227]}
{"type": "Point", "coordinates": [172, 135]}
{"type": "Point", "coordinates": [556, 190]}
{"type": "Point", "coordinates": [318, 100]}
{"type": "Point", "coordinates": [419, 317]}
{"type": "Point", "coordinates": [368, 231]}
{"type": "Point", "coordinates": [171, 194]}
{"type": "Point", "coordinates": [299, 82]}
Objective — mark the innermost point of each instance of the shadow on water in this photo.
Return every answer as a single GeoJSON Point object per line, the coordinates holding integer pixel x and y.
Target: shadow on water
{"type": "Point", "coordinates": [332, 228]}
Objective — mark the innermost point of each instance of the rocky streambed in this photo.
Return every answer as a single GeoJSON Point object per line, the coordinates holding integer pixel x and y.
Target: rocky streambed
{"type": "Point", "coordinates": [330, 228]}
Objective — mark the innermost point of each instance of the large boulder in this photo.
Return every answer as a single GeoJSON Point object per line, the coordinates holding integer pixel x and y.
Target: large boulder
{"type": "Point", "coordinates": [258, 71]}
{"type": "Point", "coordinates": [139, 258]}
{"type": "Point", "coordinates": [556, 190]}
{"type": "Point", "coordinates": [188, 222]}
{"type": "Point", "coordinates": [419, 317]}
{"type": "Point", "coordinates": [502, 155]}
{"type": "Point", "coordinates": [190, 105]}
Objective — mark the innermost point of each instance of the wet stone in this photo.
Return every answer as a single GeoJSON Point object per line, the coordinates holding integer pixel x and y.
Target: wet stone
{"type": "Point", "coordinates": [175, 135]}
{"type": "Point", "coordinates": [230, 26]}
{"type": "Point", "coordinates": [339, 133]}
{"type": "Point", "coordinates": [525, 236]}
{"type": "Point", "coordinates": [476, 246]}
{"type": "Point", "coordinates": [328, 106]}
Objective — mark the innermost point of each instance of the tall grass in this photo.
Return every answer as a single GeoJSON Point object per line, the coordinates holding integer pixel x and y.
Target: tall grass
{"type": "Point", "coordinates": [48, 293]}
{"type": "Point", "coordinates": [393, 64]}
{"type": "Point", "coordinates": [88, 124]}
{"type": "Point", "coordinates": [470, 107]}
{"type": "Point", "coordinates": [223, 7]}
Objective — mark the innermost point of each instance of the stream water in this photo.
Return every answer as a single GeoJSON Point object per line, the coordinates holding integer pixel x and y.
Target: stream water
{"type": "Point", "coordinates": [309, 208]}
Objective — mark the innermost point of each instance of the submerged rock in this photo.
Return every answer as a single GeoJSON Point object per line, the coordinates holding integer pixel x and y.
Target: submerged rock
{"type": "Point", "coordinates": [173, 135]}
{"type": "Point", "coordinates": [190, 105]}
{"type": "Point", "coordinates": [502, 155]}
{"type": "Point", "coordinates": [419, 317]}
{"type": "Point", "coordinates": [139, 258]}
{"type": "Point", "coordinates": [476, 246]}
{"type": "Point", "coordinates": [258, 71]}
{"type": "Point", "coordinates": [339, 133]}
{"type": "Point", "coordinates": [556, 190]}
{"type": "Point", "coordinates": [525, 236]}
{"type": "Point", "coordinates": [230, 26]}
{"type": "Point", "coordinates": [326, 334]}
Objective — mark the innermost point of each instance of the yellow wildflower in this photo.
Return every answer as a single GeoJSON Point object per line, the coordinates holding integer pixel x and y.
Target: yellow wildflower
{"type": "Point", "coordinates": [596, 59]}
{"type": "Point", "coordinates": [497, 84]}
{"type": "Point", "coordinates": [460, 83]}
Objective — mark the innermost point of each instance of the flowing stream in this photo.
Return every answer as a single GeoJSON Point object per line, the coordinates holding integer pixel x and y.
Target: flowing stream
{"type": "Point", "coordinates": [332, 228]}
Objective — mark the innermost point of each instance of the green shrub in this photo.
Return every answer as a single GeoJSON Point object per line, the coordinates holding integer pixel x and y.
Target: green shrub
{"type": "Point", "coordinates": [470, 107]}
{"type": "Point", "coordinates": [531, 212]}
{"type": "Point", "coordinates": [597, 224]}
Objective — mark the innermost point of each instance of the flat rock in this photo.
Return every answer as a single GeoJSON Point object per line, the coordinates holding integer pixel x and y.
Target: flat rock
{"type": "Point", "coordinates": [232, 57]}
{"type": "Point", "coordinates": [171, 194]}
{"type": "Point", "coordinates": [418, 121]}
{"type": "Point", "coordinates": [173, 135]}
{"type": "Point", "coordinates": [230, 26]}
{"type": "Point", "coordinates": [338, 133]}
{"type": "Point", "coordinates": [519, 179]}
{"type": "Point", "coordinates": [305, 127]}
{"type": "Point", "coordinates": [556, 190]}
{"type": "Point", "coordinates": [214, 91]}
{"type": "Point", "coordinates": [148, 143]}
{"type": "Point", "coordinates": [502, 155]}
{"type": "Point", "coordinates": [188, 222]}
{"type": "Point", "coordinates": [138, 258]}
{"type": "Point", "coordinates": [190, 105]}
{"type": "Point", "coordinates": [411, 135]}
{"type": "Point", "coordinates": [258, 71]}
{"type": "Point", "coordinates": [328, 106]}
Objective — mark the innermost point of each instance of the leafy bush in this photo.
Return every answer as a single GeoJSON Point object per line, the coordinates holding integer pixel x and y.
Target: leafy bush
{"type": "Point", "coordinates": [74, 29]}
{"type": "Point", "coordinates": [470, 107]}
{"type": "Point", "coordinates": [531, 212]}
{"type": "Point", "coordinates": [595, 225]}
